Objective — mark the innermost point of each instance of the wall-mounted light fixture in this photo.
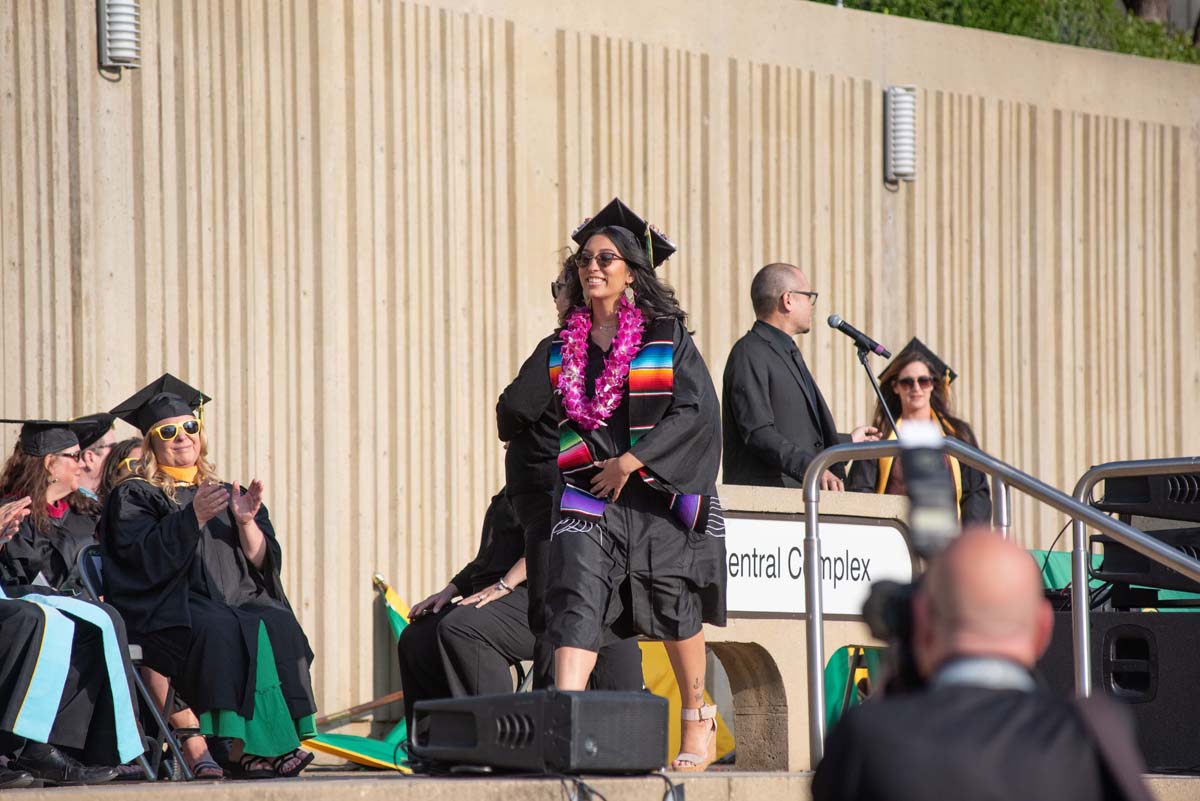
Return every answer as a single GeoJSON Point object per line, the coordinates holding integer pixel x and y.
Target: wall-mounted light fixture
{"type": "Point", "coordinates": [900, 134]}
{"type": "Point", "coordinates": [119, 33]}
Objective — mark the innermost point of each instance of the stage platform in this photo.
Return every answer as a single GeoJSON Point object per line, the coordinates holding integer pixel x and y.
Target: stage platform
{"type": "Point", "coordinates": [354, 785]}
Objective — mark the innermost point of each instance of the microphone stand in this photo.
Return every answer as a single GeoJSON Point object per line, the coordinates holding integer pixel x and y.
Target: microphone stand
{"type": "Point", "coordinates": [862, 357]}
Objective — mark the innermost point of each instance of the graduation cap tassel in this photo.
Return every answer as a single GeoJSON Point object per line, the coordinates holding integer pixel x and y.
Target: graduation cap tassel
{"type": "Point", "coordinates": [649, 245]}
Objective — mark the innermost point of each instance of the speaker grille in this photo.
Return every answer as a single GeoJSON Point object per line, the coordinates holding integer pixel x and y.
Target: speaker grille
{"type": "Point", "coordinates": [515, 730]}
{"type": "Point", "coordinates": [1183, 488]}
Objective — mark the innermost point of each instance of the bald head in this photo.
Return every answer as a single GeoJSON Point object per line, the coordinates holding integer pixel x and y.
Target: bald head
{"type": "Point", "coordinates": [982, 596]}
{"type": "Point", "coordinates": [770, 283]}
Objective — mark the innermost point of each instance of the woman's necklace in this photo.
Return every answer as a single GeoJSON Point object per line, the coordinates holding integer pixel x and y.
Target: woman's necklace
{"type": "Point", "coordinates": [590, 414]}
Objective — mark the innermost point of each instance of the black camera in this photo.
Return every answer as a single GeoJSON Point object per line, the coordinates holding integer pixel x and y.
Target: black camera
{"type": "Point", "coordinates": [933, 523]}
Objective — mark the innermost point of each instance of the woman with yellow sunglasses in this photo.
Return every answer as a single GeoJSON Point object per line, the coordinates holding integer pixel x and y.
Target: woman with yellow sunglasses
{"type": "Point", "coordinates": [194, 566]}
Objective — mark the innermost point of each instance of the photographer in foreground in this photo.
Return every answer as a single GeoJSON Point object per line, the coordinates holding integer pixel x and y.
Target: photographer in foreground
{"type": "Point", "coordinates": [982, 728]}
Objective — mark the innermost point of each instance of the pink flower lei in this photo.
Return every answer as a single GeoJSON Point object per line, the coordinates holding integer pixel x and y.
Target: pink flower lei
{"type": "Point", "coordinates": [591, 414]}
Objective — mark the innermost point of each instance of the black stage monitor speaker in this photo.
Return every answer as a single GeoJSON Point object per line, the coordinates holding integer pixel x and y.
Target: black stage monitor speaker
{"type": "Point", "coordinates": [1147, 661]}
{"type": "Point", "coordinates": [546, 731]}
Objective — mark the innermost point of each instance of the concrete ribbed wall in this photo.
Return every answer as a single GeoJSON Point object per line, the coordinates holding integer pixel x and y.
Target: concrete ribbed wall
{"type": "Point", "coordinates": [339, 219]}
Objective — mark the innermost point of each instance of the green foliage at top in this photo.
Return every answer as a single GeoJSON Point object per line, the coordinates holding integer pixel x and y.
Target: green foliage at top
{"type": "Point", "coordinates": [1098, 24]}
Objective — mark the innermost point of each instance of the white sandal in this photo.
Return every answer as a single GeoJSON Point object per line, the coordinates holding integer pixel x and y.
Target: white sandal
{"type": "Point", "coordinates": [699, 762]}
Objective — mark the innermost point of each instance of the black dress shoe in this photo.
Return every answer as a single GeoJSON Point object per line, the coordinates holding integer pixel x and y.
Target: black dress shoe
{"type": "Point", "coordinates": [54, 767]}
{"type": "Point", "coordinates": [14, 778]}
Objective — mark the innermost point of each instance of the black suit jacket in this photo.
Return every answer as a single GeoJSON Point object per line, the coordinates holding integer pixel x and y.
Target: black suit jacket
{"type": "Point", "coordinates": [774, 418]}
{"type": "Point", "coordinates": [969, 743]}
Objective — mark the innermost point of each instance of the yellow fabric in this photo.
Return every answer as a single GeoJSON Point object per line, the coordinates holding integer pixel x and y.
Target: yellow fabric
{"type": "Point", "coordinates": [354, 756]}
{"type": "Point", "coordinates": [660, 680]}
{"type": "Point", "coordinates": [885, 463]}
{"type": "Point", "coordinates": [184, 474]}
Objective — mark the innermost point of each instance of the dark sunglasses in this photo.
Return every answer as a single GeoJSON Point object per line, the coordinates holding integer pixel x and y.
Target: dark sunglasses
{"type": "Point", "coordinates": [74, 455]}
{"type": "Point", "coordinates": [908, 382]}
{"type": "Point", "coordinates": [169, 431]}
{"type": "Point", "coordinates": [555, 288]}
{"type": "Point", "coordinates": [604, 258]}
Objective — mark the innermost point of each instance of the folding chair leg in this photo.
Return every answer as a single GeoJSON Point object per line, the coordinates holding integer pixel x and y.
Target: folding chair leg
{"type": "Point", "coordinates": [168, 736]}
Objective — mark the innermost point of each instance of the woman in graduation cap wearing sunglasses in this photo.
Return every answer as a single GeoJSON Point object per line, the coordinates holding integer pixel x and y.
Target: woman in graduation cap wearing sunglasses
{"type": "Point", "coordinates": [639, 547]}
{"type": "Point", "coordinates": [193, 565]}
{"type": "Point", "coordinates": [45, 466]}
{"type": "Point", "coordinates": [916, 386]}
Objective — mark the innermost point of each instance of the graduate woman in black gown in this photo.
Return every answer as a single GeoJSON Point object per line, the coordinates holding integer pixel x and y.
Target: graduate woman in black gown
{"type": "Point", "coordinates": [639, 547]}
{"type": "Point", "coordinates": [916, 386]}
{"type": "Point", "coordinates": [193, 565]}
{"type": "Point", "coordinates": [62, 521]}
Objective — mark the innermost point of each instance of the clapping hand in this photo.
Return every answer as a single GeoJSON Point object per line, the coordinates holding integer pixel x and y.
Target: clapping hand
{"type": "Point", "coordinates": [211, 499]}
{"type": "Point", "coordinates": [246, 506]}
{"type": "Point", "coordinates": [11, 515]}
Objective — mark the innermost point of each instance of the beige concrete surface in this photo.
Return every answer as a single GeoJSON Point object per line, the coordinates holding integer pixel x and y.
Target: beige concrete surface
{"type": "Point", "coordinates": [376, 786]}
{"type": "Point", "coordinates": [339, 219]}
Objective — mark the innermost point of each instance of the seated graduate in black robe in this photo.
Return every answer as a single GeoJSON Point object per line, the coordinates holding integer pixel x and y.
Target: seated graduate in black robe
{"type": "Point", "coordinates": [468, 647]}
{"type": "Point", "coordinates": [65, 693]}
{"type": "Point", "coordinates": [194, 567]}
{"type": "Point", "coordinates": [62, 521]}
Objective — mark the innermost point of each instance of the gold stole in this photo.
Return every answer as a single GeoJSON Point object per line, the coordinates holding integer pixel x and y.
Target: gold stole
{"type": "Point", "coordinates": [185, 474]}
{"type": "Point", "coordinates": [885, 464]}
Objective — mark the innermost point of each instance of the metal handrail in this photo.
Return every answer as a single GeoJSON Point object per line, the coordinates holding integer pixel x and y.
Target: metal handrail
{"type": "Point", "coordinates": [1080, 602]}
{"type": "Point", "coordinates": [972, 457]}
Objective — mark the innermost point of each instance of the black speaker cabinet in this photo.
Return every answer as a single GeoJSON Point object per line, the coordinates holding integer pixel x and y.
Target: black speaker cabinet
{"type": "Point", "coordinates": [1147, 661]}
{"type": "Point", "coordinates": [546, 731]}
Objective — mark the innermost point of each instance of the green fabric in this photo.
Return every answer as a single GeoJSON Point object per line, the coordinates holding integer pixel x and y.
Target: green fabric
{"type": "Point", "coordinates": [271, 732]}
{"type": "Point", "coordinates": [363, 750]}
{"type": "Point", "coordinates": [837, 676]}
{"type": "Point", "coordinates": [396, 620]}
{"type": "Point", "coordinates": [1056, 574]}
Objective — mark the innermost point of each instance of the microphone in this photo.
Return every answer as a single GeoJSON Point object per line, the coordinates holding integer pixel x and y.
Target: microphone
{"type": "Point", "coordinates": [860, 339]}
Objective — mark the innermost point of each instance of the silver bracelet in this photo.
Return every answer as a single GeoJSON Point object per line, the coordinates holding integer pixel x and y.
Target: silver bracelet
{"type": "Point", "coordinates": [504, 586]}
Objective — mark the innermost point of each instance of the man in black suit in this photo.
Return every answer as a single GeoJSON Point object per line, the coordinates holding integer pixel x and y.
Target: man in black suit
{"type": "Point", "coordinates": [774, 419]}
{"type": "Point", "coordinates": [982, 729]}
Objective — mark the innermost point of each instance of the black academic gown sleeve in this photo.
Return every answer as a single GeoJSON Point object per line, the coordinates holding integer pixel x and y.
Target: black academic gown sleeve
{"type": "Point", "coordinates": [863, 476]}
{"type": "Point", "coordinates": [526, 419]}
{"type": "Point", "coordinates": [526, 399]}
{"type": "Point", "coordinates": [51, 554]}
{"type": "Point", "coordinates": [683, 450]}
{"type": "Point", "coordinates": [975, 505]}
{"type": "Point", "coordinates": [148, 549]}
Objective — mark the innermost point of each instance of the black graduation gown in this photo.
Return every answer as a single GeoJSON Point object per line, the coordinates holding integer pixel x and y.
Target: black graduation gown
{"type": "Point", "coordinates": [52, 554]}
{"type": "Point", "coordinates": [83, 721]}
{"type": "Point", "coordinates": [641, 571]}
{"type": "Point", "coordinates": [974, 505]}
{"type": "Point", "coordinates": [194, 602]}
{"type": "Point", "coordinates": [526, 419]}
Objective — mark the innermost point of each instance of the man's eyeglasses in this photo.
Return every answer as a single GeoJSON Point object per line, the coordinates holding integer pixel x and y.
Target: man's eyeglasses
{"type": "Point", "coordinates": [908, 382]}
{"type": "Point", "coordinates": [812, 296]}
{"type": "Point", "coordinates": [604, 259]}
{"type": "Point", "coordinates": [169, 431]}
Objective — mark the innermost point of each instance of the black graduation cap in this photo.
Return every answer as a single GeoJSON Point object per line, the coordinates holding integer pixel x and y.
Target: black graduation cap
{"type": "Point", "coordinates": [657, 246]}
{"type": "Point", "coordinates": [40, 437]}
{"type": "Point", "coordinates": [941, 370]}
{"type": "Point", "coordinates": [92, 427]}
{"type": "Point", "coordinates": [164, 397]}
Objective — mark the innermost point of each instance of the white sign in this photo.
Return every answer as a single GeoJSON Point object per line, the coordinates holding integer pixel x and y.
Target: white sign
{"type": "Point", "coordinates": [765, 564]}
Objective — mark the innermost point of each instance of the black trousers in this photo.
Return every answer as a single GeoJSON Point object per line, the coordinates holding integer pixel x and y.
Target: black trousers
{"type": "Point", "coordinates": [464, 650]}
{"type": "Point", "coordinates": [619, 665]}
